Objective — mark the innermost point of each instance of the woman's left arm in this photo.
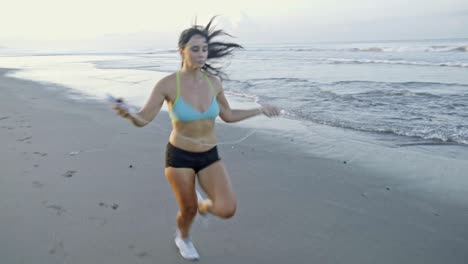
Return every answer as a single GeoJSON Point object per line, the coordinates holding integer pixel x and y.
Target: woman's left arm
{"type": "Point", "coordinates": [229, 115]}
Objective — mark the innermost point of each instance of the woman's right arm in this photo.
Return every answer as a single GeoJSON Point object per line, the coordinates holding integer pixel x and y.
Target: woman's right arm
{"type": "Point", "coordinates": [151, 108]}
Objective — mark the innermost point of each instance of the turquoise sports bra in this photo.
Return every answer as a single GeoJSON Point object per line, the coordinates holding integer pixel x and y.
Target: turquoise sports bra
{"type": "Point", "coordinates": [182, 111]}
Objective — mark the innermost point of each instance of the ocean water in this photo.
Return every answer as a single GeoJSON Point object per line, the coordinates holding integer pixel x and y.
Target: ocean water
{"type": "Point", "coordinates": [405, 92]}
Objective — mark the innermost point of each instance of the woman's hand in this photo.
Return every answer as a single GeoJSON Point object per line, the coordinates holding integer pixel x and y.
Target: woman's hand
{"type": "Point", "coordinates": [129, 113]}
{"type": "Point", "coordinates": [121, 108]}
{"type": "Point", "coordinates": [270, 110]}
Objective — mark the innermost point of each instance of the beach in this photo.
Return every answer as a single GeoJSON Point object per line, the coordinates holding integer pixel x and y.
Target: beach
{"type": "Point", "coordinates": [81, 185]}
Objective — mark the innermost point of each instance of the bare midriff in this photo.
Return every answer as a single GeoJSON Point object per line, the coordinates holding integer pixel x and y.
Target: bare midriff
{"type": "Point", "coordinates": [195, 136]}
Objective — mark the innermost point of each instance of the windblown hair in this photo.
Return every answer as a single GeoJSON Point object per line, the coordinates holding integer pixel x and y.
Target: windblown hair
{"type": "Point", "coordinates": [216, 49]}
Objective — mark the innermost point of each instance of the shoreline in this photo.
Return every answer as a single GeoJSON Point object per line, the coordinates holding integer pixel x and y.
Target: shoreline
{"type": "Point", "coordinates": [110, 203]}
{"type": "Point", "coordinates": [427, 168]}
{"type": "Point", "coordinates": [436, 169]}
{"type": "Point", "coordinates": [90, 75]}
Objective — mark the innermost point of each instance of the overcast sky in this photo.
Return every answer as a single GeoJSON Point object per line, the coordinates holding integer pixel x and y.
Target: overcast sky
{"type": "Point", "coordinates": [139, 23]}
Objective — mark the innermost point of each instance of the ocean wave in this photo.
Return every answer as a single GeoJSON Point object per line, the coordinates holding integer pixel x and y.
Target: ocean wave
{"type": "Point", "coordinates": [446, 48]}
{"type": "Point", "coordinates": [251, 97]}
{"type": "Point", "coordinates": [264, 83]}
{"type": "Point", "coordinates": [309, 49]}
{"type": "Point", "coordinates": [431, 144]}
{"type": "Point", "coordinates": [286, 79]}
{"type": "Point", "coordinates": [396, 62]}
{"type": "Point", "coordinates": [462, 49]}
{"type": "Point", "coordinates": [439, 48]}
{"type": "Point", "coordinates": [401, 49]}
{"type": "Point", "coordinates": [423, 110]}
{"type": "Point", "coordinates": [369, 49]}
{"type": "Point", "coordinates": [400, 84]}
{"type": "Point", "coordinates": [445, 136]}
{"type": "Point", "coordinates": [455, 135]}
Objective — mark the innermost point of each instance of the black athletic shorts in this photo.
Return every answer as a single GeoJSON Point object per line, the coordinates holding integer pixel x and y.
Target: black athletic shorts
{"type": "Point", "coordinates": [179, 158]}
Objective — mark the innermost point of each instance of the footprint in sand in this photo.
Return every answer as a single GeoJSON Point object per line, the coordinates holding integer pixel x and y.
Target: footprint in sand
{"type": "Point", "coordinates": [100, 220]}
{"type": "Point", "coordinates": [24, 139]}
{"type": "Point", "coordinates": [142, 254]}
{"type": "Point", "coordinates": [37, 184]}
{"type": "Point", "coordinates": [40, 153]}
{"type": "Point", "coordinates": [113, 206]}
{"type": "Point", "coordinates": [59, 210]}
{"type": "Point", "coordinates": [69, 174]}
{"type": "Point", "coordinates": [57, 248]}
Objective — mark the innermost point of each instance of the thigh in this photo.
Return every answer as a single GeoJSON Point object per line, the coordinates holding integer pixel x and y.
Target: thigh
{"type": "Point", "coordinates": [182, 181]}
{"type": "Point", "coordinates": [215, 181]}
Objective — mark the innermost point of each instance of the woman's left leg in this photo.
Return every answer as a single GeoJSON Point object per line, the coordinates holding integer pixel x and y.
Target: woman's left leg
{"type": "Point", "coordinates": [215, 181]}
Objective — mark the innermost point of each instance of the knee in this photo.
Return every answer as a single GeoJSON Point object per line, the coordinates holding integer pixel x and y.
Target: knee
{"type": "Point", "coordinates": [227, 210]}
{"type": "Point", "coordinates": [188, 211]}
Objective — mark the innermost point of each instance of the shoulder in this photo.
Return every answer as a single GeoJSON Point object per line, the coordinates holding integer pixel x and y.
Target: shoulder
{"type": "Point", "coordinates": [166, 83]}
{"type": "Point", "coordinates": [216, 81]}
{"type": "Point", "coordinates": [168, 79]}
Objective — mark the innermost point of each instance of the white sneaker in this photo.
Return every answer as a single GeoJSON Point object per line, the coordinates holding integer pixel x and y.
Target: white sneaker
{"type": "Point", "coordinates": [186, 248]}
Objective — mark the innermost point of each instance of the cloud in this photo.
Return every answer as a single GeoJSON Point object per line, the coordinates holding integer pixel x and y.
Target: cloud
{"type": "Point", "coordinates": [54, 23]}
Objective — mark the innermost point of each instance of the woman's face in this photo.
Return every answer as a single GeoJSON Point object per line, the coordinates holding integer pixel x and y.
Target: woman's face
{"type": "Point", "coordinates": [195, 52]}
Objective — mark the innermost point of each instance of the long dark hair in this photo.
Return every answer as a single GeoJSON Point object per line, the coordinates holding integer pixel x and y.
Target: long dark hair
{"type": "Point", "coordinates": [216, 49]}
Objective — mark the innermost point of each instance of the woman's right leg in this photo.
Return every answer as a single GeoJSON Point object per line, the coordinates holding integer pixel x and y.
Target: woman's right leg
{"type": "Point", "coordinates": [182, 181]}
